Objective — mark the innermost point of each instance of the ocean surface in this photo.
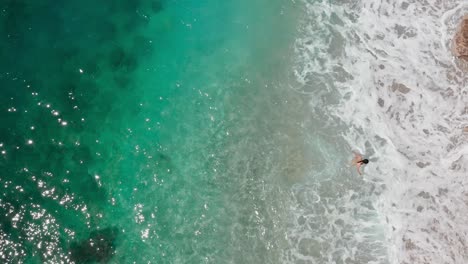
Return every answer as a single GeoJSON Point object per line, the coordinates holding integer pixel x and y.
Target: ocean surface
{"type": "Point", "coordinates": [183, 131]}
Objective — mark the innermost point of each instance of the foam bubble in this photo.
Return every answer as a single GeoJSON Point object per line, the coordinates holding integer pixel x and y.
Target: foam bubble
{"type": "Point", "coordinates": [402, 96]}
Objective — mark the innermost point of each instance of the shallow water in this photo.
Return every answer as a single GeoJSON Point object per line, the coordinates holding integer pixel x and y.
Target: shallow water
{"type": "Point", "coordinates": [400, 96]}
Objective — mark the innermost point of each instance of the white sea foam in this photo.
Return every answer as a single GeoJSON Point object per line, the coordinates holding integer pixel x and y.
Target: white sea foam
{"type": "Point", "coordinates": [403, 98]}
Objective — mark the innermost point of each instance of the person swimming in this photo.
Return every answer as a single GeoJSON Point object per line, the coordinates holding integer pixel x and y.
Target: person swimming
{"type": "Point", "coordinates": [358, 161]}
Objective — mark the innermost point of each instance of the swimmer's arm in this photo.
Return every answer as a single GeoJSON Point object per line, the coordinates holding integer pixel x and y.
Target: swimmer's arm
{"type": "Point", "coordinates": [359, 169]}
{"type": "Point", "coordinates": [357, 157]}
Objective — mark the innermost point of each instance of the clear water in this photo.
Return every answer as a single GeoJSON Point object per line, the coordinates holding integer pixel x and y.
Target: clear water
{"type": "Point", "coordinates": [166, 131]}
{"type": "Point", "coordinates": [147, 131]}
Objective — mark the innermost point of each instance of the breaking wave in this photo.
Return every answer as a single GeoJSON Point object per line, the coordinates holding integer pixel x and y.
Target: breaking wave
{"type": "Point", "coordinates": [381, 73]}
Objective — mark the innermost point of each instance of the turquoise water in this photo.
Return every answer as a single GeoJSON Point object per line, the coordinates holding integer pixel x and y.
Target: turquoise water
{"type": "Point", "coordinates": [148, 131]}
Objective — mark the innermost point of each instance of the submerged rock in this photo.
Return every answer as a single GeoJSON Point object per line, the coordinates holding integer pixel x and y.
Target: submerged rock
{"type": "Point", "coordinates": [163, 163]}
{"type": "Point", "coordinates": [120, 59]}
{"type": "Point", "coordinates": [156, 6]}
{"type": "Point", "coordinates": [460, 41]}
{"type": "Point", "coordinates": [99, 247]}
{"type": "Point", "coordinates": [400, 87]}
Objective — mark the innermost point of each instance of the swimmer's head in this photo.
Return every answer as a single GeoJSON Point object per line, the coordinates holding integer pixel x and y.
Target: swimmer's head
{"type": "Point", "coordinates": [365, 161]}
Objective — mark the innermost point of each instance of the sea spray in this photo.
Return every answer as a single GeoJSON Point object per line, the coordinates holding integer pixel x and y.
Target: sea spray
{"type": "Point", "coordinates": [402, 99]}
